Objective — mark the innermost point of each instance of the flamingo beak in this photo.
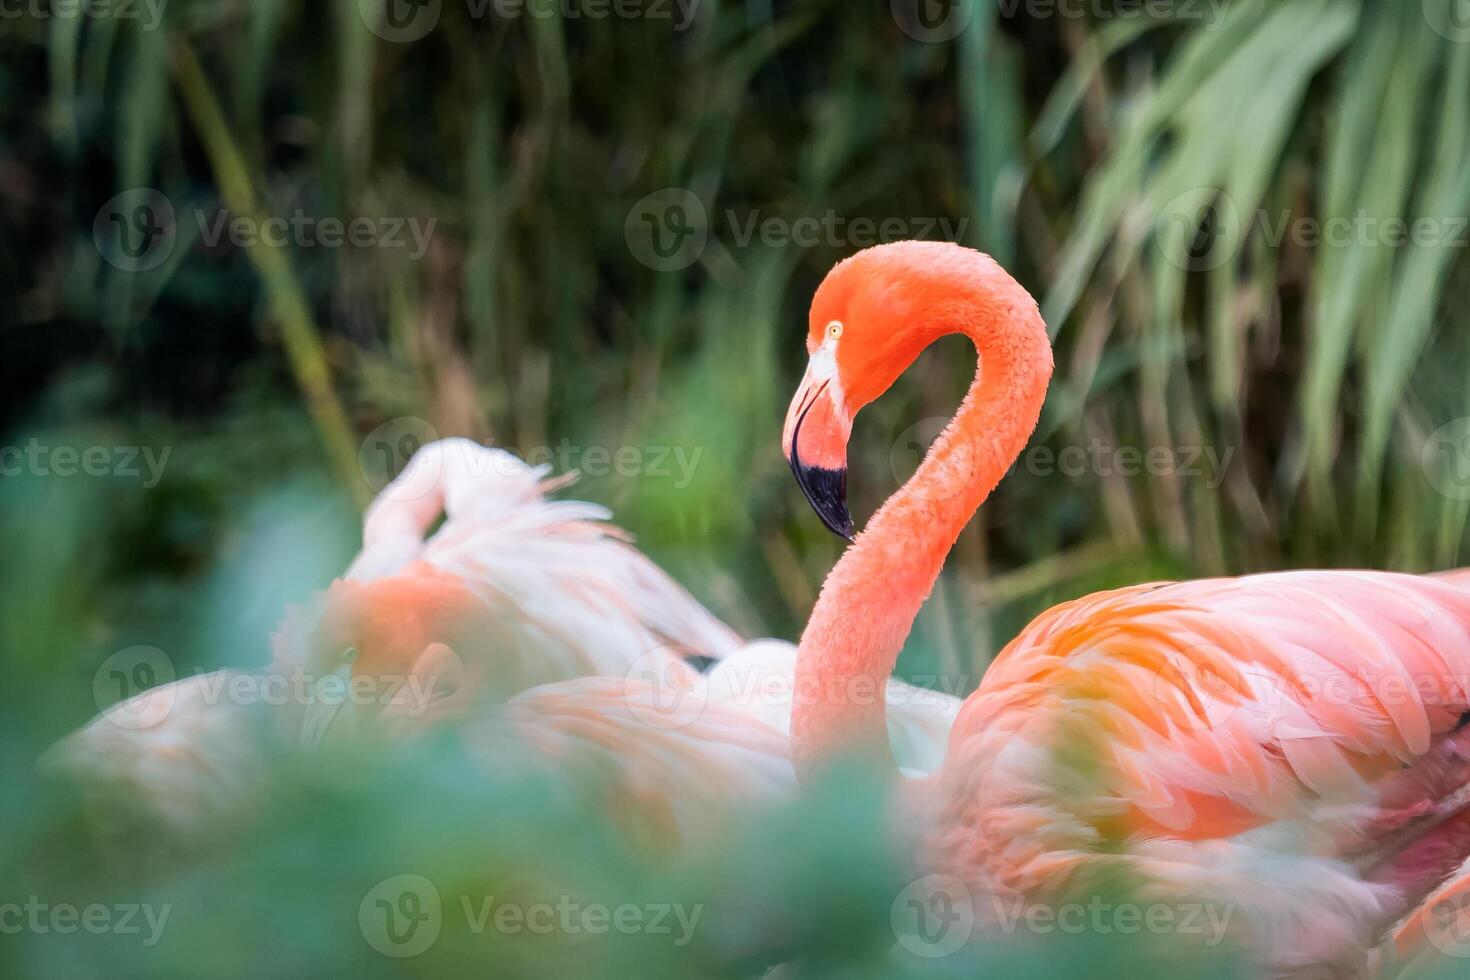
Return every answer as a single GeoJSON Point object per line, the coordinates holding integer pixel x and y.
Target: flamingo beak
{"type": "Point", "coordinates": [815, 443]}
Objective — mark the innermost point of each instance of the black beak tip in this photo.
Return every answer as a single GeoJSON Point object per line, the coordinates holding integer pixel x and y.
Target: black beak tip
{"type": "Point", "coordinates": [826, 491]}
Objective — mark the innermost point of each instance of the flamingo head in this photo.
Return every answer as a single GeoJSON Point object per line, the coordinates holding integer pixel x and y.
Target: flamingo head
{"type": "Point", "coordinates": [386, 647]}
{"type": "Point", "coordinates": [870, 319]}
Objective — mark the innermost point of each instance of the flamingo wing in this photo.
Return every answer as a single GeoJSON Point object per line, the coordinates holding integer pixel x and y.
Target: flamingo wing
{"type": "Point", "coordinates": [1293, 741]}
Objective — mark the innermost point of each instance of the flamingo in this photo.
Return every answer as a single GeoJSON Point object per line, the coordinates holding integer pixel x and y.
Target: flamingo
{"type": "Point", "coordinates": [1295, 744]}
{"type": "Point", "coordinates": [552, 590]}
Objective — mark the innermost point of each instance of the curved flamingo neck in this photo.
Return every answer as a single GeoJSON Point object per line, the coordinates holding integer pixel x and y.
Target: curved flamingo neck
{"type": "Point", "coordinates": [872, 596]}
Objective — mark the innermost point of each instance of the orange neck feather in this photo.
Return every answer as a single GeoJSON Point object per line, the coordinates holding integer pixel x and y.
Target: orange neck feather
{"type": "Point", "coordinates": [871, 598]}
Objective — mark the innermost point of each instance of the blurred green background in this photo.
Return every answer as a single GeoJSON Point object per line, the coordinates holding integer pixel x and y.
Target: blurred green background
{"type": "Point", "coordinates": [584, 227]}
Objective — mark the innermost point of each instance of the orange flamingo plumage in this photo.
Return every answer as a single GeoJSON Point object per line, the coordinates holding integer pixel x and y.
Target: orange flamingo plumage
{"type": "Point", "coordinates": [1295, 744]}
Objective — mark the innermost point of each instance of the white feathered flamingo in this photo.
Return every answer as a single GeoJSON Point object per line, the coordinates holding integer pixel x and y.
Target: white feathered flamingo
{"type": "Point", "coordinates": [563, 592]}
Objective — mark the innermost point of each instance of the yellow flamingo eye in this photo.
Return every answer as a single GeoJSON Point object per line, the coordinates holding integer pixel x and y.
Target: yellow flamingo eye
{"type": "Point", "coordinates": [834, 329]}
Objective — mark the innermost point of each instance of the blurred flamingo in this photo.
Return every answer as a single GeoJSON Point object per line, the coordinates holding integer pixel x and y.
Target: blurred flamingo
{"type": "Point", "coordinates": [1295, 745]}
{"type": "Point", "coordinates": [532, 590]}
